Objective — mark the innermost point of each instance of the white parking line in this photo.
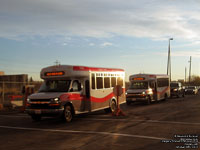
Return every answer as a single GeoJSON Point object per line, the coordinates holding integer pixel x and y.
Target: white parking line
{"type": "Point", "coordinates": [151, 121]}
{"type": "Point", "coordinates": [129, 120]}
{"type": "Point", "coordinates": [85, 132]}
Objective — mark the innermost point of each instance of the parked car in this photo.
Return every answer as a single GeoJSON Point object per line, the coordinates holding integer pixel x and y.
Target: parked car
{"type": "Point", "coordinates": [191, 90]}
{"type": "Point", "coordinates": [177, 89]}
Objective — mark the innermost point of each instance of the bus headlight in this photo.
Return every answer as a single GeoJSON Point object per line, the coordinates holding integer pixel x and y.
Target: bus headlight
{"type": "Point", "coordinates": [55, 100]}
{"type": "Point", "coordinates": [28, 100]}
{"type": "Point", "coordinates": [149, 91]}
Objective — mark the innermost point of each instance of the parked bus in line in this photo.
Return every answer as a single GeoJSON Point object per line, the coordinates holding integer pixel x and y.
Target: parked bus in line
{"type": "Point", "coordinates": [148, 88]}
{"type": "Point", "coordinates": [68, 90]}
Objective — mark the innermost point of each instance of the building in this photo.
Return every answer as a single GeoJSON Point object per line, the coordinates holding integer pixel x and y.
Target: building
{"type": "Point", "coordinates": [14, 78]}
{"type": "Point", "coordinates": [11, 85]}
{"type": "Point", "coordinates": [1, 73]}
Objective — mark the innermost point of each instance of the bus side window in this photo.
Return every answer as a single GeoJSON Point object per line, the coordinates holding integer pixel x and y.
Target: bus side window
{"type": "Point", "coordinates": [99, 82]}
{"type": "Point", "coordinates": [93, 81]}
{"type": "Point", "coordinates": [113, 81]}
{"type": "Point", "coordinates": [87, 88]}
{"type": "Point", "coordinates": [162, 82]}
{"type": "Point", "coordinates": [120, 81]}
{"type": "Point", "coordinates": [106, 82]}
{"type": "Point", "coordinates": [76, 86]}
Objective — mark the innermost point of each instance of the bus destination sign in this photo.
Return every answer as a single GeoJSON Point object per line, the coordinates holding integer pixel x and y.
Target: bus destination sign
{"type": "Point", "coordinates": [58, 73]}
{"type": "Point", "coordinates": [138, 78]}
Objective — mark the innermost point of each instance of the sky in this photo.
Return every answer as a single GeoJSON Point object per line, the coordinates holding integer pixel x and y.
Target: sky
{"type": "Point", "coordinates": [128, 34]}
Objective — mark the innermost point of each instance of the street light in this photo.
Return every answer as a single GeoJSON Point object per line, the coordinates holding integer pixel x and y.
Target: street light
{"type": "Point", "coordinates": [169, 60]}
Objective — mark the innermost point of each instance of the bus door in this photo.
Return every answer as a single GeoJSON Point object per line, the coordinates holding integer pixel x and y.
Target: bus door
{"type": "Point", "coordinates": [77, 94]}
{"type": "Point", "coordinates": [87, 101]}
{"type": "Point", "coordinates": [153, 86]}
{"type": "Point", "coordinates": [85, 104]}
{"type": "Point", "coordinates": [155, 94]}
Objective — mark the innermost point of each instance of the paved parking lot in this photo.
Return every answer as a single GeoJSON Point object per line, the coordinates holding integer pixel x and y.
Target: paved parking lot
{"type": "Point", "coordinates": [145, 127]}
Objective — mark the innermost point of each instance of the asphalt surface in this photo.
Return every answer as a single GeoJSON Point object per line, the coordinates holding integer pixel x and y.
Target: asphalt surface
{"type": "Point", "coordinates": [165, 125]}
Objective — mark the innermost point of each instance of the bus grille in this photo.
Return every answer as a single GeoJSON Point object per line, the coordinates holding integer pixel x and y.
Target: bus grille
{"type": "Point", "coordinates": [39, 106]}
{"type": "Point", "coordinates": [40, 100]}
{"type": "Point", "coordinates": [135, 95]}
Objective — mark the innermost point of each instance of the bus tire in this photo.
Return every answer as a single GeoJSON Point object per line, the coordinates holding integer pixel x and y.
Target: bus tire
{"type": "Point", "coordinates": [149, 100]}
{"type": "Point", "coordinates": [113, 106]}
{"type": "Point", "coordinates": [178, 95]}
{"type": "Point", "coordinates": [68, 113]}
{"type": "Point", "coordinates": [36, 117]}
{"type": "Point", "coordinates": [183, 94]}
{"type": "Point", "coordinates": [165, 98]}
{"type": "Point", "coordinates": [128, 102]}
{"type": "Point", "coordinates": [107, 110]}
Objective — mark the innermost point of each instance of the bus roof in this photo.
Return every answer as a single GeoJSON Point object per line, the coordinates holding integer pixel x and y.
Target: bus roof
{"type": "Point", "coordinates": [97, 69]}
{"type": "Point", "coordinates": [147, 76]}
{"type": "Point", "coordinates": [70, 70]}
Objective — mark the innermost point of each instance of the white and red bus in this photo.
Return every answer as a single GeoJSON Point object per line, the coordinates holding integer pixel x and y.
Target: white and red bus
{"type": "Point", "coordinates": [70, 90]}
{"type": "Point", "coordinates": [148, 88]}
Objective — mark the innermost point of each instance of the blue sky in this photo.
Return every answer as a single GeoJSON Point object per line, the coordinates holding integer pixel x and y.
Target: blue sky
{"type": "Point", "coordinates": [128, 34]}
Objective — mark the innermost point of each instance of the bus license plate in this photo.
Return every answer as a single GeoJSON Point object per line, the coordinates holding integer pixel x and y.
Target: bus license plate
{"type": "Point", "coordinates": [37, 111]}
{"type": "Point", "coordinates": [133, 99]}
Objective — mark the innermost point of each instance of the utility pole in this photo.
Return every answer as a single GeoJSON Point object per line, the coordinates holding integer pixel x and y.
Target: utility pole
{"type": "Point", "coordinates": [185, 74]}
{"type": "Point", "coordinates": [3, 93]}
{"type": "Point", "coordinates": [169, 60]}
{"type": "Point", "coordinates": [190, 69]}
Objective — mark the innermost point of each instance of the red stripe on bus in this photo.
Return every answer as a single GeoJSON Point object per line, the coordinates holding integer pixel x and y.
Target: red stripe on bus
{"type": "Point", "coordinates": [101, 100]}
{"type": "Point", "coordinates": [163, 91]}
{"type": "Point", "coordinates": [71, 97]}
{"type": "Point", "coordinates": [83, 68]}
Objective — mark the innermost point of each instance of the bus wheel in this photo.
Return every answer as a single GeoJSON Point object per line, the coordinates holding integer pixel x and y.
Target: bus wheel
{"type": "Point", "coordinates": [107, 110]}
{"type": "Point", "coordinates": [183, 95]}
{"type": "Point", "coordinates": [128, 102]}
{"type": "Point", "coordinates": [68, 115]}
{"type": "Point", "coordinates": [149, 100]}
{"type": "Point", "coordinates": [178, 95]}
{"type": "Point", "coordinates": [165, 98]}
{"type": "Point", "coordinates": [113, 106]}
{"type": "Point", "coordinates": [36, 117]}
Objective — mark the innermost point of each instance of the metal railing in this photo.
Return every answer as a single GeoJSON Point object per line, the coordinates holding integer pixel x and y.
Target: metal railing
{"type": "Point", "coordinates": [14, 90]}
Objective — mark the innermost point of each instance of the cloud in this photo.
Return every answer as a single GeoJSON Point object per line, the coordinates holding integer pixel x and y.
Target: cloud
{"type": "Point", "coordinates": [106, 44]}
{"type": "Point", "coordinates": [156, 19]}
{"type": "Point", "coordinates": [64, 44]}
{"type": "Point", "coordinates": [91, 44]}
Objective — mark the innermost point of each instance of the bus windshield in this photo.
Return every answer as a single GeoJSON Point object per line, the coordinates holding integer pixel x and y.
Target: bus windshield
{"type": "Point", "coordinates": [190, 87]}
{"type": "Point", "coordinates": [55, 86]}
{"type": "Point", "coordinates": [174, 84]}
{"type": "Point", "coordinates": [139, 85]}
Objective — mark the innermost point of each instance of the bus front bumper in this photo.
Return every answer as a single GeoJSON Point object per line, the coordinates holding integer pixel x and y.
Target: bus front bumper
{"type": "Point", "coordinates": [45, 112]}
{"type": "Point", "coordinates": [137, 98]}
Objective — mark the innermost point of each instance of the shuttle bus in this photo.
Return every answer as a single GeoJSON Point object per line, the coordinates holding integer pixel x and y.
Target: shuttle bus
{"type": "Point", "coordinates": [68, 90]}
{"type": "Point", "coordinates": [148, 88]}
